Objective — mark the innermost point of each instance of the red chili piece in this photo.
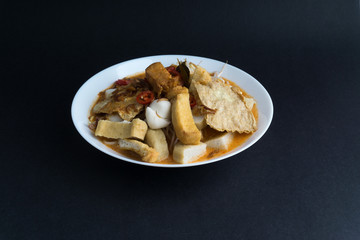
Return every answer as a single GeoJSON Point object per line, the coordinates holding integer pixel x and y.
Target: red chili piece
{"type": "Point", "coordinates": [172, 71]}
{"type": "Point", "coordinates": [192, 101]}
{"type": "Point", "coordinates": [145, 97]}
{"type": "Point", "coordinates": [122, 82]}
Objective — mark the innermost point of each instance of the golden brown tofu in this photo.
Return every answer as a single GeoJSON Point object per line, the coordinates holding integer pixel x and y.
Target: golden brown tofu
{"type": "Point", "coordinates": [160, 79]}
{"type": "Point", "coordinates": [156, 139]}
{"type": "Point", "coordinates": [138, 129]}
{"type": "Point", "coordinates": [175, 91]}
{"type": "Point", "coordinates": [147, 154]}
{"type": "Point", "coordinates": [200, 76]}
{"type": "Point", "coordinates": [183, 121]}
{"type": "Point", "coordinates": [115, 130]}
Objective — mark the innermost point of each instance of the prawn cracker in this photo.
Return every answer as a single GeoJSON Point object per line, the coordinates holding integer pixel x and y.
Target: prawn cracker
{"type": "Point", "coordinates": [230, 112]}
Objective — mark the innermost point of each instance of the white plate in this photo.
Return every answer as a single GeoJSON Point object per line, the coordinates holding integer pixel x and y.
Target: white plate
{"type": "Point", "coordinates": [87, 94]}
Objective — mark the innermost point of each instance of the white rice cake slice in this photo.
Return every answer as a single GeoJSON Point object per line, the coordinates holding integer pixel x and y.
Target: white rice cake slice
{"type": "Point", "coordinates": [135, 129]}
{"type": "Point", "coordinates": [188, 153]}
{"type": "Point", "coordinates": [220, 142]}
{"type": "Point", "coordinates": [157, 140]}
{"type": "Point", "coordinates": [200, 122]}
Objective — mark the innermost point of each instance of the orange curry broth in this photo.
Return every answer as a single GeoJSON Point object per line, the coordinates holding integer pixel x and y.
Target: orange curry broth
{"type": "Point", "coordinates": [238, 140]}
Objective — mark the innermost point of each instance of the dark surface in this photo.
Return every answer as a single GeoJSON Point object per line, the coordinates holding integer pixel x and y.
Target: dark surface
{"type": "Point", "coordinates": [300, 181]}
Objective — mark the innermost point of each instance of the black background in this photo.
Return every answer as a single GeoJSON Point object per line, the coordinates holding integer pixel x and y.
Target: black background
{"type": "Point", "coordinates": [300, 181]}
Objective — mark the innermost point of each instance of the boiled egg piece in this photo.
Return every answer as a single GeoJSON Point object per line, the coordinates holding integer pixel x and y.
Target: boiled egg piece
{"type": "Point", "coordinates": [161, 107]}
{"type": "Point", "coordinates": [154, 121]}
{"type": "Point", "coordinates": [158, 113]}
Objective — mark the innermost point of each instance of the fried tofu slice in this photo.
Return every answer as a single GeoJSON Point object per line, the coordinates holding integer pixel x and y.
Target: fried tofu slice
{"type": "Point", "coordinates": [147, 154]}
{"type": "Point", "coordinates": [200, 75]}
{"type": "Point", "coordinates": [160, 79]}
{"type": "Point", "coordinates": [188, 153]}
{"type": "Point", "coordinates": [175, 91]}
{"type": "Point", "coordinates": [220, 142]}
{"type": "Point", "coordinates": [135, 129]}
{"type": "Point", "coordinates": [156, 139]}
{"type": "Point", "coordinates": [138, 129]}
{"type": "Point", "coordinates": [183, 121]}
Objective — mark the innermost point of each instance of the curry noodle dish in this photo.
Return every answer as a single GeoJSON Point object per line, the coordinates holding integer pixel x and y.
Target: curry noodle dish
{"type": "Point", "coordinates": [173, 115]}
